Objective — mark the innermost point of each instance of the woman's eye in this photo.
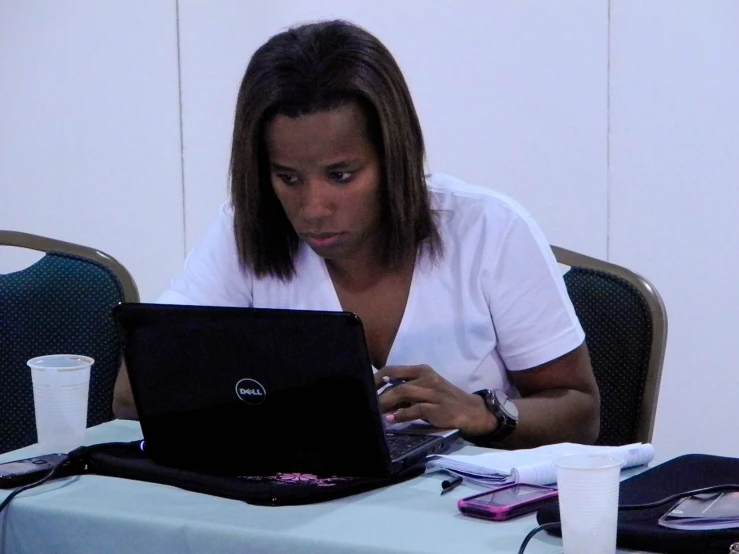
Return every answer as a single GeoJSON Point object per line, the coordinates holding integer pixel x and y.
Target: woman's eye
{"type": "Point", "coordinates": [288, 179]}
{"type": "Point", "coordinates": [341, 176]}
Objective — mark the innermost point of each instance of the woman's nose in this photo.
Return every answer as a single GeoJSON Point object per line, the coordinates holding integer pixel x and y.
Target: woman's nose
{"type": "Point", "coordinates": [317, 201]}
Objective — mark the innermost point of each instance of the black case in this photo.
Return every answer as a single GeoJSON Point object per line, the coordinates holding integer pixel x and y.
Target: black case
{"type": "Point", "coordinates": [286, 489]}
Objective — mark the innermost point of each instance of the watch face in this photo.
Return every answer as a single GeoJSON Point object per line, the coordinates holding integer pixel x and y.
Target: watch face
{"type": "Point", "coordinates": [506, 405]}
{"type": "Point", "coordinates": [511, 408]}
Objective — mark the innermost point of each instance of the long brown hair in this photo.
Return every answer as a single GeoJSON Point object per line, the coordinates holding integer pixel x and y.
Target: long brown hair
{"type": "Point", "coordinates": [318, 67]}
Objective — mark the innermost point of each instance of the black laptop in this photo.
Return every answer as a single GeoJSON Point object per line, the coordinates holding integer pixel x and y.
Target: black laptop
{"type": "Point", "coordinates": [246, 391]}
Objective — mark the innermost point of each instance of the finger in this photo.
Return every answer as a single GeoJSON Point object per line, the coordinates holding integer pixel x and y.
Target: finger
{"type": "Point", "coordinates": [411, 413]}
{"type": "Point", "coordinates": [379, 382]}
{"type": "Point", "coordinates": [387, 402]}
{"type": "Point", "coordinates": [405, 372]}
{"type": "Point", "coordinates": [396, 373]}
{"type": "Point", "coordinates": [387, 382]}
{"type": "Point", "coordinates": [391, 382]}
{"type": "Point", "coordinates": [405, 394]}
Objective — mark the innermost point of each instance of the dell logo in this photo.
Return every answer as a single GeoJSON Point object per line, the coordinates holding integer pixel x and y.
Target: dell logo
{"type": "Point", "coordinates": [250, 391]}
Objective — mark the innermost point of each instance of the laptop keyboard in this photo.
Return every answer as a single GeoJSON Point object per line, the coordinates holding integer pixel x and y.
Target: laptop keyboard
{"type": "Point", "coordinates": [400, 444]}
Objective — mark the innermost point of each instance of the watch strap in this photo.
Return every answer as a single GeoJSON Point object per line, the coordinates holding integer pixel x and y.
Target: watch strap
{"type": "Point", "coordinates": [506, 424]}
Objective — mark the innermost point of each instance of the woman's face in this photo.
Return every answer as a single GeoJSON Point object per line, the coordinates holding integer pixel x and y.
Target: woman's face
{"type": "Point", "coordinates": [326, 174]}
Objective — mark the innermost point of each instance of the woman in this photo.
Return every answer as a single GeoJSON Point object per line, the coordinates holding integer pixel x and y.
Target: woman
{"type": "Point", "coordinates": [461, 299]}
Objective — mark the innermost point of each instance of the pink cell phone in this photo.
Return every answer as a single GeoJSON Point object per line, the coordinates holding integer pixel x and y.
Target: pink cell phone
{"type": "Point", "coordinates": [506, 502]}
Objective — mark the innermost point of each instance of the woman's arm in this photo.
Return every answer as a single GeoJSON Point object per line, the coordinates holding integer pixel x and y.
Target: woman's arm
{"type": "Point", "coordinates": [559, 402]}
{"type": "Point", "coordinates": [123, 405]}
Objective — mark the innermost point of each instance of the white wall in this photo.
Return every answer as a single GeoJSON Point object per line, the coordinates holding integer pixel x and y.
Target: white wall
{"type": "Point", "coordinates": [616, 124]}
{"type": "Point", "coordinates": [89, 130]}
{"type": "Point", "coordinates": [674, 173]}
{"type": "Point", "coordinates": [510, 95]}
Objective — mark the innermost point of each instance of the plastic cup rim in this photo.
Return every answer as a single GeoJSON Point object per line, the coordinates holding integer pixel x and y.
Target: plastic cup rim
{"type": "Point", "coordinates": [84, 362]}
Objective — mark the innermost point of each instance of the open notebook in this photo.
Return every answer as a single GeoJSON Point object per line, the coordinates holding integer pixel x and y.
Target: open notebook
{"type": "Point", "coordinates": [534, 466]}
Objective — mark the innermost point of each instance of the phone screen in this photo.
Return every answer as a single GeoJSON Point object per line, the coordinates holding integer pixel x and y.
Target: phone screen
{"type": "Point", "coordinates": [512, 495]}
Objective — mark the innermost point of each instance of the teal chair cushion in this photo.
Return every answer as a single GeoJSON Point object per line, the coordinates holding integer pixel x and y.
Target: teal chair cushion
{"type": "Point", "coordinates": [618, 330]}
{"type": "Point", "coordinates": [60, 305]}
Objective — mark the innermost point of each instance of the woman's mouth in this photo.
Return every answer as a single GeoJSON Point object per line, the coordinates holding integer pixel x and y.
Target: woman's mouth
{"type": "Point", "coordinates": [321, 240]}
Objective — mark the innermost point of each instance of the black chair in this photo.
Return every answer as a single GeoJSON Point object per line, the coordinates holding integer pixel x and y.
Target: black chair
{"type": "Point", "coordinates": [625, 325]}
{"type": "Point", "coordinates": [59, 305]}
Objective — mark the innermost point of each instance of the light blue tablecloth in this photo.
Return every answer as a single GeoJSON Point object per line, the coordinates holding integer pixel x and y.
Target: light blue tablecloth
{"type": "Point", "coordinates": [97, 515]}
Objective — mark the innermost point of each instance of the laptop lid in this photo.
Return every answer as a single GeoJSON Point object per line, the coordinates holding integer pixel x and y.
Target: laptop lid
{"type": "Point", "coordinates": [254, 391]}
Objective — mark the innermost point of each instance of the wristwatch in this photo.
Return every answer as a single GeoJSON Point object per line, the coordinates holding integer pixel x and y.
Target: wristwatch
{"type": "Point", "coordinates": [504, 410]}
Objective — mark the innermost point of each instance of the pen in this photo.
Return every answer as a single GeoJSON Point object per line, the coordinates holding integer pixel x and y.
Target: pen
{"type": "Point", "coordinates": [449, 485]}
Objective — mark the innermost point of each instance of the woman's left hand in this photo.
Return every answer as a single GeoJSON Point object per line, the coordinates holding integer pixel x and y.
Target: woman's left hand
{"type": "Point", "coordinates": [427, 395]}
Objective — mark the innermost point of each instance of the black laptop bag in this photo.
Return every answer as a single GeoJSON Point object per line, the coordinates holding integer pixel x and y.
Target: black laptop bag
{"type": "Point", "coordinates": [639, 530]}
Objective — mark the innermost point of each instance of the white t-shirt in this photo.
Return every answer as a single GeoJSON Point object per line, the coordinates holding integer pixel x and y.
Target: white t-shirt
{"type": "Point", "coordinates": [495, 301]}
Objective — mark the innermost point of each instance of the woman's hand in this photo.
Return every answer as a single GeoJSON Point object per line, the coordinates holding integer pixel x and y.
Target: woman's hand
{"type": "Point", "coordinates": [427, 395]}
{"type": "Point", "coordinates": [559, 402]}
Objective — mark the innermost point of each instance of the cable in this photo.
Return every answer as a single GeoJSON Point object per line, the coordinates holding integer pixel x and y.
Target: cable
{"type": "Point", "coordinates": [646, 505]}
{"type": "Point", "coordinates": [543, 527]}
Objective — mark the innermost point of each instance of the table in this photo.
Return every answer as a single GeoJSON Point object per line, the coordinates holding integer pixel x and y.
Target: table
{"type": "Point", "coordinates": [94, 514]}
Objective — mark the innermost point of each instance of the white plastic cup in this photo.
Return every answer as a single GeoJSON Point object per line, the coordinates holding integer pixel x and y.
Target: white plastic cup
{"type": "Point", "coordinates": [61, 384]}
{"type": "Point", "coordinates": [588, 502]}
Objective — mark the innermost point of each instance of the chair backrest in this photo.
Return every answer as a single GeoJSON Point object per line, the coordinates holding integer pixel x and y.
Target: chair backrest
{"type": "Point", "coordinates": [60, 304]}
{"type": "Point", "coordinates": [625, 325]}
